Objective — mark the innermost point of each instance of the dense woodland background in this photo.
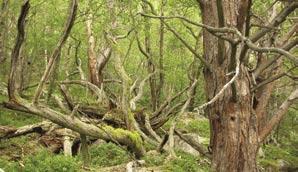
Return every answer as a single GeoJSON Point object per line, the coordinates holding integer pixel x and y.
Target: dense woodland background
{"type": "Point", "coordinates": [101, 85]}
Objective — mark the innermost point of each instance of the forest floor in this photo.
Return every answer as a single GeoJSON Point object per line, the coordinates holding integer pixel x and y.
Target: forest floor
{"type": "Point", "coordinates": [26, 153]}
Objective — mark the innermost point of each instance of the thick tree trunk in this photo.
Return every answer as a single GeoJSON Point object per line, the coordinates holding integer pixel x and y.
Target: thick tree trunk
{"type": "Point", "coordinates": [233, 140]}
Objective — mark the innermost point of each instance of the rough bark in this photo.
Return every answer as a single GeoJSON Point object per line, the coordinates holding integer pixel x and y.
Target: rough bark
{"type": "Point", "coordinates": [233, 140]}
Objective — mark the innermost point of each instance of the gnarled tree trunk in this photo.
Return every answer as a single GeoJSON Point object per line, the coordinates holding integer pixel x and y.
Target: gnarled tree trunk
{"type": "Point", "coordinates": [233, 140]}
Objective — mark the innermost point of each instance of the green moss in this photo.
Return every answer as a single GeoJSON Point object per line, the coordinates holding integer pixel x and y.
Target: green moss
{"type": "Point", "coordinates": [133, 136]}
{"type": "Point", "coordinates": [136, 138]}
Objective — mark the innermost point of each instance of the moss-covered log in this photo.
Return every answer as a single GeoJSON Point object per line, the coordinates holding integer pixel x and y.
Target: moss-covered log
{"type": "Point", "coordinates": [131, 139]}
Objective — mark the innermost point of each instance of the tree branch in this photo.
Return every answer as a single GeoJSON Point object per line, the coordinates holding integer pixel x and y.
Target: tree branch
{"type": "Point", "coordinates": [263, 66]}
{"type": "Point", "coordinates": [247, 41]}
{"type": "Point", "coordinates": [281, 17]}
{"type": "Point", "coordinates": [134, 100]}
{"type": "Point", "coordinates": [278, 116]}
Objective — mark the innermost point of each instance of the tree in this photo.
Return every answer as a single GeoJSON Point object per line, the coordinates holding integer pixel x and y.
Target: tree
{"type": "Point", "coordinates": [235, 136]}
{"type": "Point", "coordinates": [231, 107]}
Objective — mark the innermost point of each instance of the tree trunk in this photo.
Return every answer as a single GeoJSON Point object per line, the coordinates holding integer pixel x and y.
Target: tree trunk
{"type": "Point", "coordinates": [150, 62]}
{"type": "Point", "coordinates": [233, 139]}
{"type": "Point", "coordinates": [92, 63]}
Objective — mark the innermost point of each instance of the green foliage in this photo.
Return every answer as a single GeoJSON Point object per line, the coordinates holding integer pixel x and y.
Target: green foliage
{"type": "Point", "coordinates": [43, 161]}
{"type": "Point", "coordinates": [108, 154]}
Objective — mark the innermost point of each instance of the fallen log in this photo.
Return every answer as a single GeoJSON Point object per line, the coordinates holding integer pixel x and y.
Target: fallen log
{"type": "Point", "coordinates": [131, 139]}
{"type": "Point", "coordinates": [10, 132]}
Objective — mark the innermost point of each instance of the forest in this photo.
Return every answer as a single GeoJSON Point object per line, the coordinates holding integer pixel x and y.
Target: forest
{"type": "Point", "coordinates": [148, 85]}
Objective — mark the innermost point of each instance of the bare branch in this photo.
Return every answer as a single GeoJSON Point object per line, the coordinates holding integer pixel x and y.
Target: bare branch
{"type": "Point", "coordinates": [268, 63]}
{"type": "Point", "coordinates": [150, 130]}
{"type": "Point", "coordinates": [134, 100]}
{"type": "Point", "coordinates": [247, 41]}
{"type": "Point", "coordinates": [167, 102]}
{"type": "Point", "coordinates": [281, 17]}
{"type": "Point", "coordinates": [175, 33]}
{"type": "Point", "coordinates": [41, 127]}
{"type": "Point", "coordinates": [99, 92]}
{"type": "Point", "coordinates": [271, 79]}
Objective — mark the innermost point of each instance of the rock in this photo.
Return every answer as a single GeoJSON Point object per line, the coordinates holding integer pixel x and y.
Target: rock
{"type": "Point", "coordinates": [99, 142]}
{"type": "Point", "coordinates": [261, 153]}
{"type": "Point", "coordinates": [186, 147]}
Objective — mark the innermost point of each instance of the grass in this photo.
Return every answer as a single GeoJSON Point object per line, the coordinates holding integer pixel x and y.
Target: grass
{"type": "Point", "coordinates": [108, 154]}
{"type": "Point", "coordinates": [14, 118]}
{"type": "Point", "coordinates": [186, 162]}
{"type": "Point", "coordinates": [197, 126]}
{"type": "Point", "coordinates": [43, 161]}
{"type": "Point", "coordinates": [274, 154]}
